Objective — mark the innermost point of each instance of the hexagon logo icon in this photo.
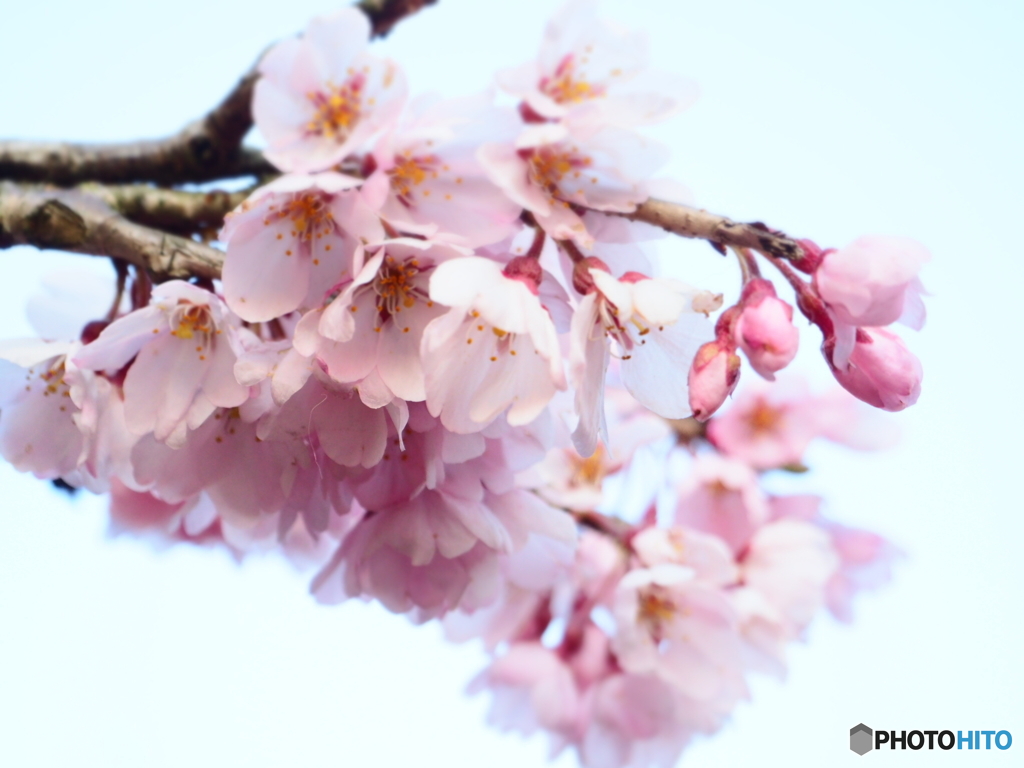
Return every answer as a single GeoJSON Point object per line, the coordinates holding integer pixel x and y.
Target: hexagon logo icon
{"type": "Point", "coordinates": [861, 739]}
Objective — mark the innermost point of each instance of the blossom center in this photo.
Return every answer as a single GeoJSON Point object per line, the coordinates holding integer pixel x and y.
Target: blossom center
{"type": "Point", "coordinates": [608, 317]}
{"type": "Point", "coordinates": [550, 165]}
{"type": "Point", "coordinates": [410, 171]}
{"type": "Point", "coordinates": [52, 380]}
{"type": "Point", "coordinates": [763, 418]}
{"type": "Point", "coordinates": [567, 86]}
{"type": "Point", "coordinates": [591, 470]}
{"type": "Point", "coordinates": [309, 214]}
{"type": "Point", "coordinates": [337, 109]}
{"type": "Point", "coordinates": [654, 610]}
{"type": "Point", "coordinates": [189, 321]}
{"type": "Point", "coordinates": [395, 286]}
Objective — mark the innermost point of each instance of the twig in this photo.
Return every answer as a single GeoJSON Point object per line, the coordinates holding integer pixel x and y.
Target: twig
{"type": "Point", "coordinates": [70, 220]}
{"type": "Point", "coordinates": [695, 223]}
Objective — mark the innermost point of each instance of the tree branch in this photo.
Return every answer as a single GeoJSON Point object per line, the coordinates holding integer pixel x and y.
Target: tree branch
{"type": "Point", "coordinates": [172, 210]}
{"type": "Point", "coordinates": [71, 220]}
{"type": "Point", "coordinates": [718, 230]}
{"type": "Point", "coordinates": [208, 149]}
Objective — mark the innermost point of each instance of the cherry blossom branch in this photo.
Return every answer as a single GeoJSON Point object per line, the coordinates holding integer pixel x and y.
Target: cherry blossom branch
{"type": "Point", "coordinates": [172, 210]}
{"type": "Point", "coordinates": [720, 231]}
{"type": "Point", "coordinates": [205, 150]}
{"type": "Point", "coordinates": [71, 220]}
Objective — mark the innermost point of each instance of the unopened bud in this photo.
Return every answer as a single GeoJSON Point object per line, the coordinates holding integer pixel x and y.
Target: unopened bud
{"type": "Point", "coordinates": [881, 371]}
{"type": "Point", "coordinates": [713, 376]}
{"type": "Point", "coordinates": [525, 269]}
{"type": "Point", "coordinates": [764, 330]}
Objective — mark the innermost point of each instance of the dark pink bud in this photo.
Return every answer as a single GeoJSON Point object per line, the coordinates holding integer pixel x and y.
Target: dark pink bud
{"type": "Point", "coordinates": [581, 279]}
{"type": "Point", "coordinates": [764, 329]}
{"type": "Point", "coordinates": [713, 376]}
{"type": "Point", "coordinates": [525, 269]}
{"type": "Point", "coordinates": [881, 371]}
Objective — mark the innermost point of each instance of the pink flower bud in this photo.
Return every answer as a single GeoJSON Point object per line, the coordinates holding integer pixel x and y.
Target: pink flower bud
{"type": "Point", "coordinates": [881, 371]}
{"type": "Point", "coordinates": [581, 279]}
{"type": "Point", "coordinates": [764, 330]}
{"type": "Point", "coordinates": [526, 270]}
{"type": "Point", "coordinates": [713, 376]}
{"type": "Point", "coordinates": [873, 281]}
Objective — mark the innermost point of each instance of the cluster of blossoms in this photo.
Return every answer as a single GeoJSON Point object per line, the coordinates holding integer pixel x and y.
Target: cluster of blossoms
{"type": "Point", "coordinates": [401, 378]}
{"type": "Point", "coordinates": [647, 637]}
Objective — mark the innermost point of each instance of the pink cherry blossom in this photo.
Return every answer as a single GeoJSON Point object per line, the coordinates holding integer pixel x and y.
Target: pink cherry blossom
{"type": "Point", "coordinates": [721, 496]}
{"type": "Point", "coordinates": [708, 556]}
{"type": "Point", "coordinates": [552, 167]}
{"type": "Point", "coordinates": [142, 513]}
{"type": "Point", "coordinates": [881, 371]}
{"type": "Point", "coordinates": [101, 420]}
{"type": "Point", "coordinates": [241, 475]}
{"type": "Point", "coordinates": [496, 348]}
{"type": "Point", "coordinates": [567, 479]}
{"type": "Point", "coordinates": [671, 625]}
{"type": "Point", "coordinates": [865, 562]}
{"type": "Point", "coordinates": [291, 242]}
{"type": "Point", "coordinates": [321, 97]}
{"type": "Point", "coordinates": [873, 281]}
{"type": "Point", "coordinates": [428, 179]}
{"type": "Point", "coordinates": [350, 432]}
{"type": "Point", "coordinates": [375, 326]}
{"type": "Point", "coordinates": [38, 432]}
{"type": "Point", "coordinates": [657, 326]}
{"type": "Point", "coordinates": [790, 563]}
{"type": "Point", "coordinates": [635, 720]}
{"type": "Point", "coordinates": [589, 66]}
{"type": "Point", "coordinates": [182, 353]}
{"type": "Point", "coordinates": [438, 551]}
{"type": "Point", "coordinates": [764, 634]}
{"type": "Point", "coordinates": [768, 427]}
{"type": "Point", "coordinates": [772, 426]}
{"type": "Point", "coordinates": [532, 688]}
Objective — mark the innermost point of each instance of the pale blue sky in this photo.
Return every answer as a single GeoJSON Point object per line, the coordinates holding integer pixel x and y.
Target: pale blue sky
{"type": "Point", "coordinates": [827, 119]}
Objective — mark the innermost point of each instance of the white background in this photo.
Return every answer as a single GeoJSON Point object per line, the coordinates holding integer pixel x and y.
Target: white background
{"type": "Point", "coordinates": [826, 119]}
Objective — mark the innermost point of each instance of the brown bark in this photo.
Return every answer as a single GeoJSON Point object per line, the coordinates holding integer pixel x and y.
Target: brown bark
{"type": "Point", "coordinates": [696, 223]}
{"type": "Point", "coordinates": [71, 220]}
{"type": "Point", "coordinates": [172, 210]}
